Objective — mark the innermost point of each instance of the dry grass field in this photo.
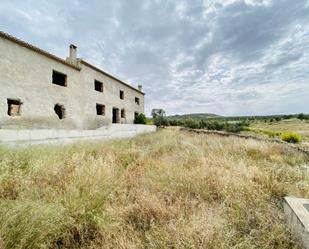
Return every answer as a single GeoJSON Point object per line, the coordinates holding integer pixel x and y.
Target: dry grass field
{"type": "Point", "coordinates": [286, 125]}
{"type": "Point", "coordinates": [166, 190]}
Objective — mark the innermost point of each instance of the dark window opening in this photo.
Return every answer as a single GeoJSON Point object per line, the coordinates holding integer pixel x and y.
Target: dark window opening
{"type": "Point", "coordinates": [136, 115]}
{"type": "Point", "coordinates": [59, 79]}
{"type": "Point", "coordinates": [100, 109]}
{"type": "Point", "coordinates": [121, 93]}
{"type": "Point", "coordinates": [60, 111]}
{"type": "Point", "coordinates": [14, 107]}
{"type": "Point", "coordinates": [123, 113]}
{"type": "Point", "coordinates": [137, 101]}
{"type": "Point", "coordinates": [98, 86]}
{"type": "Point", "coordinates": [116, 115]}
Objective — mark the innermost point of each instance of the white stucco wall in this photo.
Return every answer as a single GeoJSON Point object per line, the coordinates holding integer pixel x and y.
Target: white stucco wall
{"type": "Point", "coordinates": [110, 97]}
{"type": "Point", "coordinates": [34, 136]}
{"type": "Point", "coordinates": [27, 75]}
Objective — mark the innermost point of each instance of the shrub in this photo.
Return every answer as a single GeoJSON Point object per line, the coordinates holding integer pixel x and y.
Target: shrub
{"type": "Point", "coordinates": [302, 116]}
{"type": "Point", "coordinates": [193, 124]}
{"type": "Point", "coordinates": [175, 122]}
{"type": "Point", "coordinates": [149, 121]}
{"type": "Point", "coordinates": [160, 121]}
{"type": "Point", "coordinates": [212, 125]}
{"type": "Point", "coordinates": [278, 119]}
{"type": "Point", "coordinates": [287, 116]}
{"type": "Point", "coordinates": [246, 128]}
{"type": "Point", "coordinates": [291, 137]}
{"type": "Point", "coordinates": [140, 119]}
{"type": "Point", "coordinates": [270, 134]}
{"type": "Point", "coordinates": [236, 128]}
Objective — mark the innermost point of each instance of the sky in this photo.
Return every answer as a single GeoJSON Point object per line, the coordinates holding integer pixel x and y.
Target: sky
{"type": "Point", "coordinates": [228, 57]}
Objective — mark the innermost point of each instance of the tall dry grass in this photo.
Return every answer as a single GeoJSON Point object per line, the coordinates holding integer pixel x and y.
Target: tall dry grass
{"type": "Point", "coordinates": [164, 190]}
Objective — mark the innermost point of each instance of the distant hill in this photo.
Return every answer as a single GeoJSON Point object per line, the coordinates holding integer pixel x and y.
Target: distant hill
{"type": "Point", "coordinates": [194, 116]}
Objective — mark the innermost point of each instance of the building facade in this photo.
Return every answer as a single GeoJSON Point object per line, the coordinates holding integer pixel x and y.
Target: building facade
{"type": "Point", "coordinates": [38, 89]}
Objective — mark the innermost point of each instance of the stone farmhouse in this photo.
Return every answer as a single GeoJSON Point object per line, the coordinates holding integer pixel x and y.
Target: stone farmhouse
{"type": "Point", "coordinates": [39, 89]}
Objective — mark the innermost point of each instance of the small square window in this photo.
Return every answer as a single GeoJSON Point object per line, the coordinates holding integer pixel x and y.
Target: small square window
{"type": "Point", "coordinates": [14, 107]}
{"type": "Point", "coordinates": [59, 79]}
{"type": "Point", "coordinates": [121, 93]}
{"type": "Point", "coordinates": [123, 113]}
{"type": "Point", "coordinates": [100, 109]}
{"type": "Point", "coordinates": [136, 100]}
{"type": "Point", "coordinates": [98, 86]}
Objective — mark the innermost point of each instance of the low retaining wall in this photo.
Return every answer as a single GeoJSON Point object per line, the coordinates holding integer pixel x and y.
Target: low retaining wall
{"type": "Point", "coordinates": [66, 136]}
{"type": "Point", "coordinates": [297, 215]}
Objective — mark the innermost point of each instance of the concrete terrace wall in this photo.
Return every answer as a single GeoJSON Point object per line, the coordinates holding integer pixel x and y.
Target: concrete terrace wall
{"type": "Point", "coordinates": [27, 76]}
{"type": "Point", "coordinates": [40, 136]}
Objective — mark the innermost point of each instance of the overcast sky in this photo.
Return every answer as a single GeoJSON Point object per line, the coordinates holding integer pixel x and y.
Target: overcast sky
{"type": "Point", "coordinates": [229, 57]}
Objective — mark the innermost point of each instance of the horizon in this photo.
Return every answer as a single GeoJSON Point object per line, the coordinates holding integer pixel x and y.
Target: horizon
{"type": "Point", "coordinates": [285, 114]}
{"type": "Point", "coordinates": [231, 58]}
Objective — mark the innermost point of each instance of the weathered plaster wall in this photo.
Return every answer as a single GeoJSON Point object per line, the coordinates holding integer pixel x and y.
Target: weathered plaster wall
{"type": "Point", "coordinates": [27, 76]}
{"type": "Point", "coordinates": [110, 98]}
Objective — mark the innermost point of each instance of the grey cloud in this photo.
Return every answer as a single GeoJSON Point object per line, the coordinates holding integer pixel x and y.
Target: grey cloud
{"type": "Point", "coordinates": [227, 57]}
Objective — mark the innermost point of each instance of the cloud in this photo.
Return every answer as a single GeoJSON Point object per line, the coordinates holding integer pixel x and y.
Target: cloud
{"type": "Point", "coordinates": [228, 57]}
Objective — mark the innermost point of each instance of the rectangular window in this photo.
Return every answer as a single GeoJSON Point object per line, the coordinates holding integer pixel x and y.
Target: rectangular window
{"type": "Point", "coordinates": [136, 100]}
{"type": "Point", "coordinates": [14, 107]}
{"type": "Point", "coordinates": [136, 115]}
{"type": "Point", "coordinates": [123, 113]}
{"type": "Point", "coordinates": [121, 93]}
{"type": "Point", "coordinates": [59, 79]}
{"type": "Point", "coordinates": [100, 109]}
{"type": "Point", "coordinates": [98, 86]}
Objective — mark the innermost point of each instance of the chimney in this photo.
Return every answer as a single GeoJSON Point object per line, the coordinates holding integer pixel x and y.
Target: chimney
{"type": "Point", "coordinates": [73, 54]}
{"type": "Point", "coordinates": [140, 87]}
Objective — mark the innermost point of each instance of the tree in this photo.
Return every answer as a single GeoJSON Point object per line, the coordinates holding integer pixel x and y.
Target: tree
{"type": "Point", "coordinates": [301, 116]}
{"type": "Point", "coordinates": [140, 119]}
{"type": "Point", "coordinates": [158, 116]}
{"type": "Point", "coordinates": [278, 119]}
{"type": "Point", "coordinates": [157, 112]}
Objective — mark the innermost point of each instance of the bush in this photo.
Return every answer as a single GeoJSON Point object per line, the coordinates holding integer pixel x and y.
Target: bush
{"type": "Point", "coordinates": [160, 121]}
{"type": "Point", "coordinates": [191, 123]}
{"type": "Point", "coordinates": [302, 116]}
{"type": "Point", "coordinates": [291, 137]}
{"type": "Point", "coordinates": [270, 134]}
{"type": "Point", "coordinates": [278, 119]}
{"type": "Point", "coordinates": [175, 122]}
{"type": "Point", "coordinates": [140, 119]}
{"type": "Point", "coordinates": [149, 122]}
{"type": "Point", "coordinates": [287, 116]}
{"type": "Point", "coordinates": [235, 127]}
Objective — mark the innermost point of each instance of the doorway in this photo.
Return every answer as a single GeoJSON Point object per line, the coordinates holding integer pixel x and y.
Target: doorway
{"type": "Point", "coordinates": [116, 118]}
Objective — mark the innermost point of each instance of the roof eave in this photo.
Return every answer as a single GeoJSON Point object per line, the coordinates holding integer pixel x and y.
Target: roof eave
{"type": "Point", "coordinates": [37, 50]}
{"type": "Point", "coordinates": [111, 76]}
